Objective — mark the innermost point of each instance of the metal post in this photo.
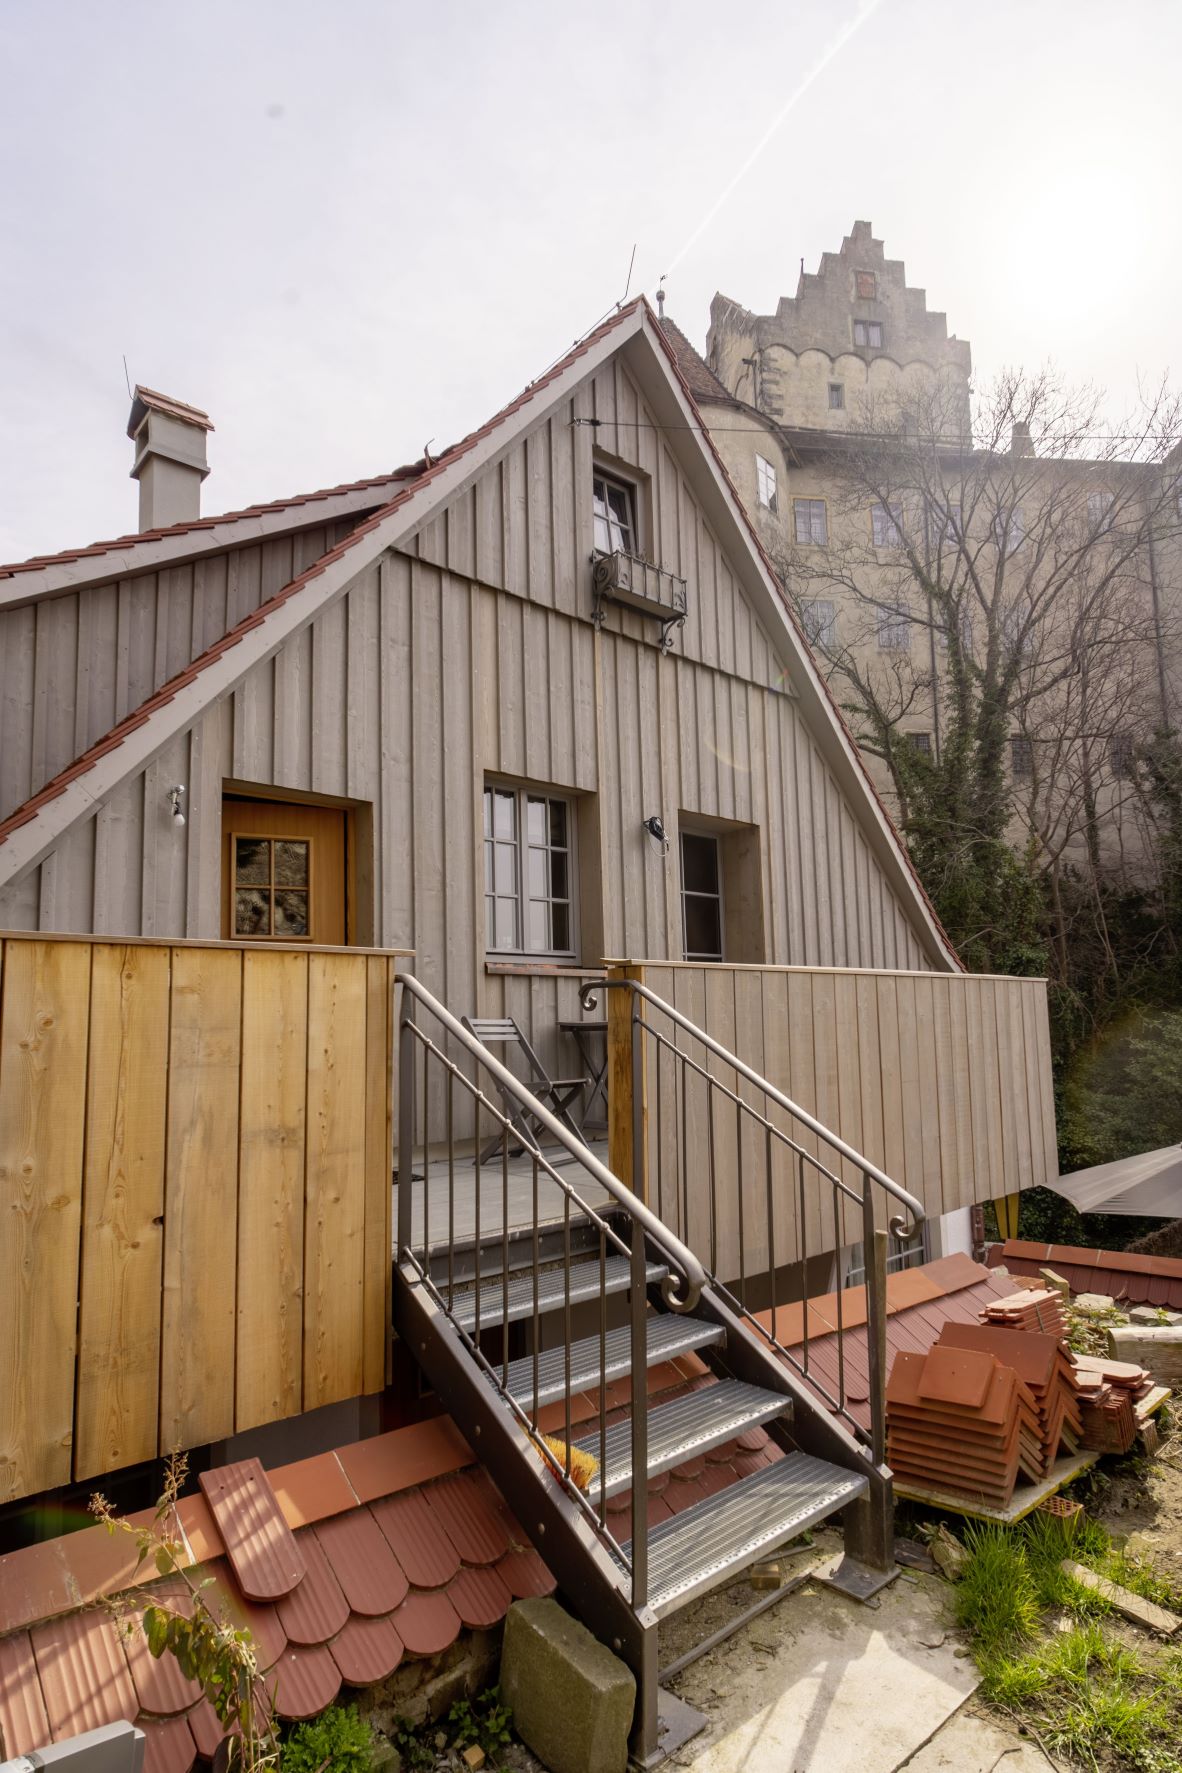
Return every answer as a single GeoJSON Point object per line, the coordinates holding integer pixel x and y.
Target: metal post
{"type": "Point", "coordinates": [874, 1243]}
{"type": "Point", "coordinates": [406, 1120]}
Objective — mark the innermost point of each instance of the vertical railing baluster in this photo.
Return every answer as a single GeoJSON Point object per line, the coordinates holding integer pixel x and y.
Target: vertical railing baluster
{"type": "Point", "coordinates": [505, 1263]}
{"type": "Point", "coordinates": [638, 1304]}
{"type": "Point", "coordinates": [602, 1376]}
{"type": "Point", "coordinates": [566, 1323]}
{"type": "Point", "coordinates": [874, 1245]}
{"type": "Point", "coordinates": [536, 1265]}
{"type": "Point", "coordinates": [426, 1162]}
{"type": "Point", "coordinates": [479, 1276]}
{"type": "Point", "coordinates": [840, 1324]}
{"type": "Point", "coordinates": [451, 1193]}
{"type": "Point", "coordinates": [713, 1177]}
{"type": "Point", "coordinates": [683, 1230]}
{"type": "Point", "coordinates": [771, 1223]}
{"type": "Point", "coordinates": [406, 1123]}
{"type": "Point", "coordinates": [804, 1263]}
{"type": "Point", "coordinates": [739, 1176]}
{"type": "Point", "coordinates": [660, 1149]}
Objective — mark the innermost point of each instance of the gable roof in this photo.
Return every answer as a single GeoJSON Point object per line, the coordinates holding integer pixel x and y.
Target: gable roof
{"type": "Point", "coordinates": [31, 831]}
{"type": "Point", "coordinates": [700, 379]}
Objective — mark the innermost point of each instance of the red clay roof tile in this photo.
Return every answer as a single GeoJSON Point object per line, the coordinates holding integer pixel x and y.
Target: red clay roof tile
{"type": "Point", "coordinates": [423, 1547]}
{"type": "Point", "coordinates": [259, 1543]}
{"type": "Point", "coordinates": [160, 1686]}
{"type": "Point", "coordinates": [370, 1576]}
{"type": "Point", "coordinates": [24, 1724]}
{"type": "Point", "coordinates": [316, 1610]}
{"type": "Point", "coordinates": [525, 1575]}
{"type": "Point", "coordinates": [83, 1672]}
{"type": "Point", "coordinates": [303, 1681]}
{"type": "Point", "coordinates": [404, 1457]}
{"type": "Point", "coordinates": [465, 1507]}
{"type": "Point", "coordinates": [480, 1597]}
{"type": "Point", "coordinates": [207, 1731]}
{"type": "Point", "coordinates": [33, 1585]}
{"type": "Point", "coordinates": [426, 1622]}
{"type": "Point", "coordinates": [367, 1650]}
{"type": "Point", "coordinates": [168, 1744]}
{"type": "Point", "coordinates": [312, 1489]}
{"type": "Point", "coordinates": [263, 1622]}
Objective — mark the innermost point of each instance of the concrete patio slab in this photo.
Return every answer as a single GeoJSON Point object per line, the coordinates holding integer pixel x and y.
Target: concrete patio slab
{"type": "Point", "coordinates": [825, 1685]}
{"type": "Point", "coordinates": [971, 1744]}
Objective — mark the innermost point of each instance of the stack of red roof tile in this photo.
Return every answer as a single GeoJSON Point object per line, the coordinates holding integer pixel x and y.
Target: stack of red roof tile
{"type": "Point", "coordinates": [1044, 1366]}
{"type": "Point", "coordinates": [1033, 1310]}
{"type": "Point", "coordinates": [1108, 1392]}
{"type": "Point", "coordinates": [958, 1420]}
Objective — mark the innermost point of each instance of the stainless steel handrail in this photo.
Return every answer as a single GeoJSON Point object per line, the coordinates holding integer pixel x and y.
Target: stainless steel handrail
{"type": "Point", "coordinates": [680, 1255]}
{"type": "Point", "coordinates": [587, 997]}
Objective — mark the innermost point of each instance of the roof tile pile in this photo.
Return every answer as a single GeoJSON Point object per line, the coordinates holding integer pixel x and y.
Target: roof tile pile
{"type": "Point", "coordinates": [957, 1419]}
{"type": "Point", "coordinates": [1128, 1275]}
{"type": "Point", "coordinates": [1109, 1391]}
{"type": "Point", "coordinates": [341, 1566]}
{"type": "Point", "coordinates": [1029, 1310]}
{"type": "Point", "coordinates": [1043, 1364]}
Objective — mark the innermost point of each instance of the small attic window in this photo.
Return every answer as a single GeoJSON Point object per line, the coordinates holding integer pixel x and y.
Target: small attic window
{"type": "Point", "coordinates": [614, 505]}
{"type": "Point", "coordinates": [867, 285]}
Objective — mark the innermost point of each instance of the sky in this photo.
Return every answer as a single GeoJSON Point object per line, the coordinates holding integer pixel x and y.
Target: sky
{"type": "Point", "coordinates": [345, 230]}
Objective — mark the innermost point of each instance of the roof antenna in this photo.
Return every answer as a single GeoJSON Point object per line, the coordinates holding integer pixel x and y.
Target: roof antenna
{"type": "Point", "coordinates": [126, 377]}
{"type": "Point", "coordinates": [661, 297]}
{"type": "Point", "coordinates": [627, 285]}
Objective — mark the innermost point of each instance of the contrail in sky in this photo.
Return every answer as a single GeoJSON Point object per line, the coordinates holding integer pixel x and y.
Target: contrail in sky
{"type": "Point", "coordinates": [848, 30]}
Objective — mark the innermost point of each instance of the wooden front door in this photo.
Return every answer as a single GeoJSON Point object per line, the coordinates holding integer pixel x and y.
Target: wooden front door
{"type": "Point", "coordinates": [283, 872]}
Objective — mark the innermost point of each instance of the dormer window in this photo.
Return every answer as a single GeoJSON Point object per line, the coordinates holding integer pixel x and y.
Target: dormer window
{"type": "Point", "coordinates": [867, 285]}
{"type": "Point", "coordinates": [868, 333]}
{"type": "Point", "coordinates": [614, 506]}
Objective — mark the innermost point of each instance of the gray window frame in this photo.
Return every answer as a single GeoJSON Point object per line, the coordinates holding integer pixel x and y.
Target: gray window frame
{"type": "Point", "coordinates": [894, 628]}
{"type": "Point", "coordinates": [867, 327]}
{"type": "Point", "coordinates": [819, 633]}
{"type": "Point", "coordinates": [522, 897]}
{"type": "Point", "coordinates": [812, 505]}
{"type": "Point", "coordinates": [837, 388]}
{"type": "Point", "coordinates": [711, 837]}
{"type": "Point", "coordinates": [629, 490]}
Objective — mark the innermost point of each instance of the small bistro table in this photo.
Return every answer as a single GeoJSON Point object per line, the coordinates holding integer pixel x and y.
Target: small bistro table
{"type": "Point", "coordinates": [591, 1040]}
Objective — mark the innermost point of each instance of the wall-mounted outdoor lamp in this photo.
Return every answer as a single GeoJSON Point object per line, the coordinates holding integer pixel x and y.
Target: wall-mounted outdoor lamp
{"type": "Point", "coordinates": [175, 796]}
{"type": "Point", "coordinates": [656, 831]}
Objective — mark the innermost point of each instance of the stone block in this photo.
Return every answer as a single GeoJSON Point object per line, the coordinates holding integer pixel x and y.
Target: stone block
{"type": "Point", "coordinates": [572, 1699]}
{"type": "Point", "coordinates": [1156, 1315]}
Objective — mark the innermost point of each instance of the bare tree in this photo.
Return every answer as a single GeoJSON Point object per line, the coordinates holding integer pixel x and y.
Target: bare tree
{"type": "Point", "coordinates": [1000, 588]}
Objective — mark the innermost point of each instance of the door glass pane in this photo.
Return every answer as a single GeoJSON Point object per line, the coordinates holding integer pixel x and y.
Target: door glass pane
{"type": "Point", "coordinates": [252, 861]}
{"type": "Point", "coordinates": [699, 863]}
{"type": "Point", "coordinates": [291, 913]}
{"type": "Point", "coordinates": [252, 913]}
{"type": "Point", "coordinates": [703, 932]}
{"type": "Point", "coordinates": [291, 863]}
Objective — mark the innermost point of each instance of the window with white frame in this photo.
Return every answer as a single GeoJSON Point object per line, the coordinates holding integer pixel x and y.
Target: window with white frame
{"type": "Point", "coordinates": [886, 522]}
{"type": "Point", "coordinates": [765, 483]}
{"type": "Point", "coordinates": [528, 872]}
{"type": "Point", "coordinates": [614, 507]}
{"type": "Point", "coordinates": [811, 526]}
{"type": "Point", "coordinates": [819, 616]}
{"type": "Point", "coordinates": [868, 333]}
{"type": "Point", "coordinates": [894, 628]}
{"type": "Point", "coordinates": [701, 896]}
{"type": "Point", "coordinates": [945, 522]}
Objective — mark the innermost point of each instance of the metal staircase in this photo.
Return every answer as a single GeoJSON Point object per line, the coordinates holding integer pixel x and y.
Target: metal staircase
{"type": "Point", "coordinates": [526, 1287]}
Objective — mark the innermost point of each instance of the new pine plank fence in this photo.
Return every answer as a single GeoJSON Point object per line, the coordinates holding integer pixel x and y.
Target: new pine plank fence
{"type": "Point", "coordinates": [941, 1079]}
{"type": "Point", "coordinates": [195, 1169]}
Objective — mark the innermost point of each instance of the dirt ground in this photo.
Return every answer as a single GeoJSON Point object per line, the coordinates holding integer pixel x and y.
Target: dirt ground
{"type": "Point", "coordinates": [1139, 1501]}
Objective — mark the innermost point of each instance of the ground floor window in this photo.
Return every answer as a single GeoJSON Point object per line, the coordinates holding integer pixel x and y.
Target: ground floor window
{"type": "Point", "coordinates": [701, 896]}
{"type": "Point", "coordinates": [528, 872]}
{"type": "Point", "coordinates": [908, 1252]}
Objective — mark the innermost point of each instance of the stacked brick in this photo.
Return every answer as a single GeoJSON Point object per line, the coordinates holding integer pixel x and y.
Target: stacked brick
{"type": "Point", "coordinates": [1108, 1394]}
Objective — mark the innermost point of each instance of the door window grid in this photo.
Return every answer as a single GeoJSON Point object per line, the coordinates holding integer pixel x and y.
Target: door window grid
{"type": "Point", "coordinates": [528, 873]}
{"type": "Point", "coordinates": [272, 888]}
{"type": "Point", "coordinates": [701, 896]}
{"type": "Point", "coordinates": [614, 507]}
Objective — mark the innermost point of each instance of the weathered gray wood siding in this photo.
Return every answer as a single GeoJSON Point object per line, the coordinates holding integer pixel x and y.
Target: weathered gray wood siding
{"type": "Point", "coordinates": [473, 653]}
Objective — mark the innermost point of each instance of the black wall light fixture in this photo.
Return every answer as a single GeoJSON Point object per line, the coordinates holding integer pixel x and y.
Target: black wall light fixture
{"type": "Point", "coordinates": [656, 831]}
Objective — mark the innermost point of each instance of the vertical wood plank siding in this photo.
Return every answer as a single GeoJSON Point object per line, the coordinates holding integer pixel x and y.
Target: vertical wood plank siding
{"type": "Point", "coordinates": [195, 1165]}
{"type": "Point", "coordinates": [471, 652]}
{"type": "Point", "coordinates": [941, 1080]}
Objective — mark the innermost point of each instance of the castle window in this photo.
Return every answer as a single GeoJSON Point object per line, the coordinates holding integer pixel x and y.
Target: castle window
{"type": "Point", "coordinates": [836, 396]}
{"type": "Point", "coordinates": [894, 628]}
{"type": "Point", "coordinates": [867, 285]}
{"type": "Point", "coordinates": [765, 477]}
{"type": "Point", "coordinates": [868, 333]}
{"type": "Point", "coordinates": [819, 616]}
{"type": "Point", "coordinates": [1021, 757]}
{"type": "Point", "coordinates": [886, 526]}
{"type": "Point", "coordinates": [809, 518]}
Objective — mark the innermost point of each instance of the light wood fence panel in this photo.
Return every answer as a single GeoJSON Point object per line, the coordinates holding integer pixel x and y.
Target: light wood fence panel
{"type": "Point", "coordinates": [195, 1169]}
{"type": "Point", "coordinates": [942, 1080]}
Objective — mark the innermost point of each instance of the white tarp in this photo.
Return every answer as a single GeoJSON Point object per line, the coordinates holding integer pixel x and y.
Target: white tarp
{"type": "Point", "coordinates": [1148, 1185]}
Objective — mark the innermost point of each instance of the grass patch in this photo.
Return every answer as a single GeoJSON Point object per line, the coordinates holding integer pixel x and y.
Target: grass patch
{"type": "Point", "coordinates": [1081, 1690]}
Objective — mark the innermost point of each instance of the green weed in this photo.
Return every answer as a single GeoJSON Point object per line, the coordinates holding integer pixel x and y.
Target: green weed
{"type": "Point", "coordinates": [996, 1599]}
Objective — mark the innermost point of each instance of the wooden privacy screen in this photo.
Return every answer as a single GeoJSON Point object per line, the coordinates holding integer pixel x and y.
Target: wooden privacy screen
{"type": "Point", "coordinates": [195, 1167]}
{"type": "Point", "coordinates": [941, 1079]}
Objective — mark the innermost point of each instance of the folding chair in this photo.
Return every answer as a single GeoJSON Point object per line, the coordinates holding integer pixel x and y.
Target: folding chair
{"type": "Point", "coordinates": [555, 1093]}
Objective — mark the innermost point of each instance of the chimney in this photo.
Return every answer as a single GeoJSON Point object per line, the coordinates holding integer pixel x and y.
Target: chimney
{"type": "Point", "coordinates": [1020, 439]}
{"type": "Point", "coordinates": [170, 462]}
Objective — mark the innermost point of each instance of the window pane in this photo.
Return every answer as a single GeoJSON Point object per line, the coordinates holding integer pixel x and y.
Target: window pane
{"type": "Point", "coordinates": [561, 926]}
{"type": "Point", "coordinates": [558, 875]}
{"type": "Point", "coordinates": [603, 535]}
{"type": "Point", "coordinates": [558, 824]}
{"type": "Point", "coordinates": [504, 813]}
{"type": "Point", "coordinates": [488, 817]}
{"type": "Point", "coordinates": [506, 924]}
{"type": "Point", "coordinates": [488, 867]}
{"type": "Point", "coordinates": [703, 928]}
{"type": "Point", "coordinates": [699, 863]}
{"type": "Point", "coordinates": [539, 874]}
{"type": "Point", "coordinates": [535, 819]}
{"type": "Point", "coordinates": [291, 863]}
{"type": "Point", "coordinates": [252, 861]}
{"type": "Point", "coordinates": [291, 913]}
{"type": "Point", "coordinates": [252, 914]}
{"type": "Point", "coordinates": [539, 926]}
{"type": "Point", "coordinates": [505, 870]}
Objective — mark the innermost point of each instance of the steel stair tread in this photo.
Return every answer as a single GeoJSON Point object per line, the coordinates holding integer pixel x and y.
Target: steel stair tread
{"type": "Point", "coordinates": [689, 1425]}
{"type": "Point", "coordinates": [699, 1548]}
{"type": "Point", "coordinates": [668, 1335]}
{"type": "Point", "coordinates": [551, 1291]}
